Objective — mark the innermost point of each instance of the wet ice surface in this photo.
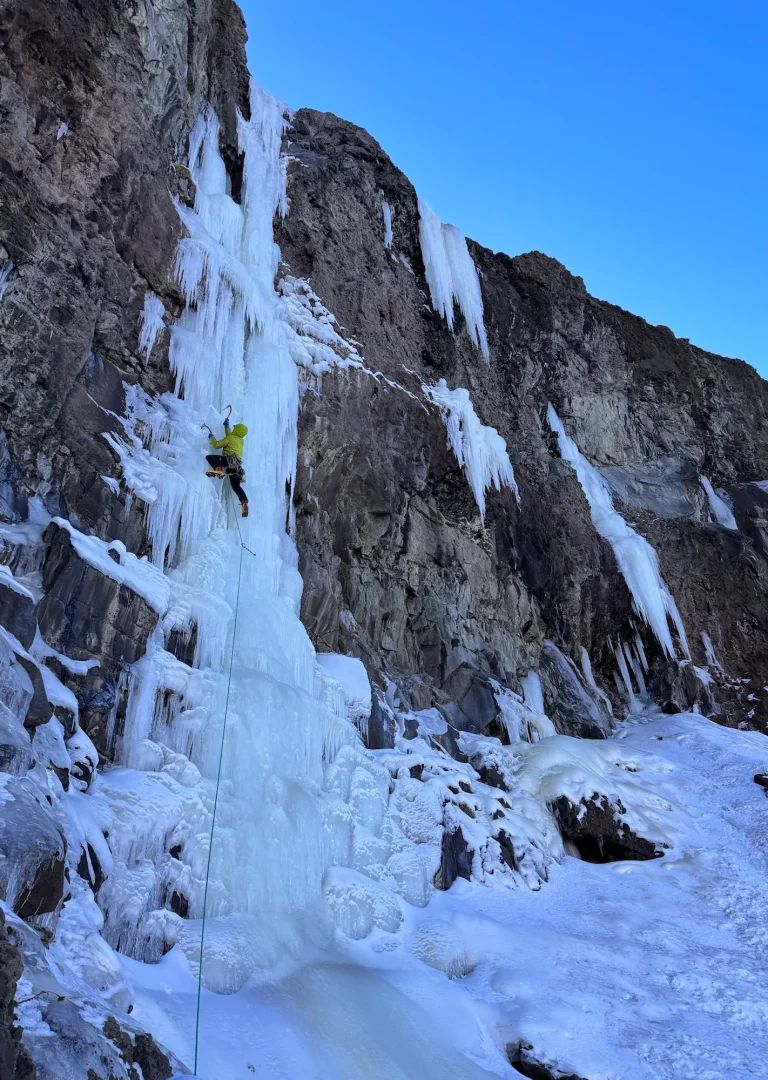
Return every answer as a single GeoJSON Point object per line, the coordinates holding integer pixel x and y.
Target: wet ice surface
{"type": "Point", "coordinates": [623, 971]}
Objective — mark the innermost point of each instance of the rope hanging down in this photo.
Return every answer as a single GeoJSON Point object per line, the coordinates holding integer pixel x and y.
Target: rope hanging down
{"type": "Point", "coordinates": [216, 793]}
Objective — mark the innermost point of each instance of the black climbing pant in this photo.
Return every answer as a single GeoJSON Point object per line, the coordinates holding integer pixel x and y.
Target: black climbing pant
{"type": "Point", "coordinates": [235, 473]}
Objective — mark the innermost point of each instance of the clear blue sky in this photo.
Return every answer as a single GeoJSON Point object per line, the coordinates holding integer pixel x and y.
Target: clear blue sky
{"type": "Point", "coordinates": [625, 138]}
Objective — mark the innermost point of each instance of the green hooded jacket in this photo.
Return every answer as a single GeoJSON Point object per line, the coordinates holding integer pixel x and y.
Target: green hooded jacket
{"type": "Point", "coordinates": [232, 443]}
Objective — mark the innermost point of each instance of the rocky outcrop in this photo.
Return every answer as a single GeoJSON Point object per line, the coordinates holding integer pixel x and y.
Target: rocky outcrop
{"type": "Point", "coordinates": [455, 860]}
{"type": "Point", "coordinates": [96, 103]}
{"type": "Point", "coordinates": [87, 615]}
{"type": "Point", "coordinates": [596, 830]}
{"type": "Point", "coordinates": [524, 1060]}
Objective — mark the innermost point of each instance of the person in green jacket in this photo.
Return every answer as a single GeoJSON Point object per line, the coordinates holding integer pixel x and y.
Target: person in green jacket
{"type": "Point", "coordinates": [230, 462]}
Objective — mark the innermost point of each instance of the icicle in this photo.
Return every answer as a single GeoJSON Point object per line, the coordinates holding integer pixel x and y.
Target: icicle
{"type": "Point", "coordinates": [636, 558]}
{"type": "Point", "coordinates": [721, 511]}
{"type": "Point", "coordinates": [624, 672]}
{"type": "Point", "coordinates": [150, 323]}
{"type": "Point", "coordinates": [589, 678]}
{"type": "Point", "coordinates": [479, 450]}
{"type": "Point", "coordinates": [451, 274]}
{"type": "Point", "coordinates": [635, 666]}
{"type": "Point", "coordinates": [386, 210]}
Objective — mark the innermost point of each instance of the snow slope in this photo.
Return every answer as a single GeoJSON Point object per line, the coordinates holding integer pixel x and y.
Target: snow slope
{"type": "Point", "coordinates": [624, 971]}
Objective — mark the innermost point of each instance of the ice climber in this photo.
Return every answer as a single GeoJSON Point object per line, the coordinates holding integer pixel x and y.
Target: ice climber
{"type": "Point", "coordinates": [230, 463]}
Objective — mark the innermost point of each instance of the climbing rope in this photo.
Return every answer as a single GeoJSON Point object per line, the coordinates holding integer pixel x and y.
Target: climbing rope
{"type": "Point", "coordinates": [216, 793]}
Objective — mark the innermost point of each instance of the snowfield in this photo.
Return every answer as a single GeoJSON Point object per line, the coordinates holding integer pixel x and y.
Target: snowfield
{"type": "Point", "coordinates": [620, 971]}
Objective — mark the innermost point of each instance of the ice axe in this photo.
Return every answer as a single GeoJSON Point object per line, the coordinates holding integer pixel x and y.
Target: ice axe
{"type": "Point", "coordinates": [228, 412]}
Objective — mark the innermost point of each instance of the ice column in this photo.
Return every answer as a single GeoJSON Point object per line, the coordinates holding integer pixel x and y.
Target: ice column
{"type": "Point", "coordinates": [721, 511]}
{"type": "Point", "coordinates": [271, 845]}
{"type": "Point", "coordinates": [386, 210]}
{"type": "Point", "coordinates": [637, 560]}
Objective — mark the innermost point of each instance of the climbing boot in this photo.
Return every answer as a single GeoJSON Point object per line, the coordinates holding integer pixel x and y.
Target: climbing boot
{"type": "Point", "coordinates": [216, 472]}
{"type": "Point", "coordinates": [244, 509]}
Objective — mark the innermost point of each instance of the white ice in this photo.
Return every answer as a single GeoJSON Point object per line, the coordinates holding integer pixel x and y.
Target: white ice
{"type": "Point", "coordinates": [479, 449]}
{"type": "Point", "coordinates": [386, 210]}
{"type": "Point", "coordinates": [721, 511]}
{"type": "Point", "coordinates": [150, 323]}
{"type": "Point", "coordinates": [637, 560]}
{"type": "Point", "coordinates": [451, 274]}
{"type": "Point", "coordinates": [5, 275]}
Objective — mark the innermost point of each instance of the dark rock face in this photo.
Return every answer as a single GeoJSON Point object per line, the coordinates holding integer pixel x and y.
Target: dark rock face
{"type": "Point", "coordinates": [14, 1060]}
{"type": "Point", "coordinates": [96, 102]}
{"type": "Point", "coordinates": [84, 613]}
{"type": "Point", "coordinates": [398, 569]}
{"type": "Point", "coordinates": [89, 616]}
{"type": "Point", "coordinates": [600, 836]}
{"type": "Point", "coordinates": [17, 614]}
{"type": "Point", "coordinates": [455, 860]}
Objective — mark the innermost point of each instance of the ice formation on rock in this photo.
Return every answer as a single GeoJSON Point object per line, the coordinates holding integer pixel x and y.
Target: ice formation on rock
{"type": "Point", "coordinates": [479, 449]}
{"type": "Point", "coordinates": [637, 560]}
{"type": "Point", "coordinates": [451, 274]}
{"type": "Point", "coordinates": [150, 323]}
{"type": "Point", "coordinates": [386, 210]}
{"type": "Point", "coordinates": [721, 511]}
{"type": "Point", "coordinates": [5, 276]}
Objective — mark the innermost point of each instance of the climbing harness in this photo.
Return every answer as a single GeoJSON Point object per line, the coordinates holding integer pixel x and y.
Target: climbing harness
{"type": "Point", "coordinates": [243, 547]}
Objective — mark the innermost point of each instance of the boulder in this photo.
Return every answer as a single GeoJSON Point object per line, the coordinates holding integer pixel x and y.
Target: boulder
{"type": "Point", "coordinates": [598, 833]}
{"type": "Point", "coordinates": [40, 709]}
{"type": "Point", "coordinates": [524, 1060]}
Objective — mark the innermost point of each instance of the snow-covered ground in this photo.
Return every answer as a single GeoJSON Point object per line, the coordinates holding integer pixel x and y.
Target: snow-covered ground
{"type": "Point", "coordinates": [621, 971]}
